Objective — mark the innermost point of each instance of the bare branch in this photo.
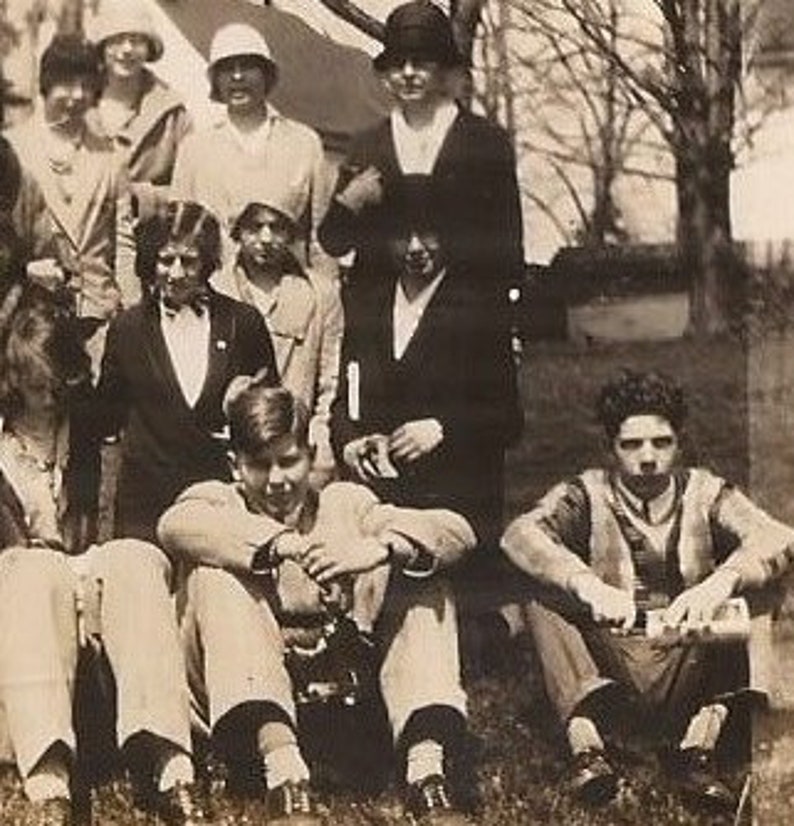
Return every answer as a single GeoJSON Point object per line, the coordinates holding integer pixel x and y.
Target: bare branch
{"type": "Point", "coordinates": [351, 13]}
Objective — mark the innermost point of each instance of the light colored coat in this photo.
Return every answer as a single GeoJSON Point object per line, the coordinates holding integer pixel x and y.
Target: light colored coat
{"type": "Point", "coordinates": [71, 217]}
{"type": "Point", "coordinates": [290, 167]}
{"type": "Point", "coordinates": [305, 321]}
{"type": "Point", "coordinates": [146, 148]}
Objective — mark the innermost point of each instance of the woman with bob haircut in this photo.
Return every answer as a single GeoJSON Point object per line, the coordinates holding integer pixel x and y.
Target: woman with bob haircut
{"type": "Point", "coordinates": [168, 362]}
{"type": "Point", "coordinates": [66, 208]}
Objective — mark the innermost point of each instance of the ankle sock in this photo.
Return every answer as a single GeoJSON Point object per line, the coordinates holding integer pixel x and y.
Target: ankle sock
{"type": "Point", "coordinates": [285, 764]}
{"type": "Point", "coordinates": [425, 759]}
{"type": "Point", "coordinates": [175, 768]}
{"type": "Point", "coordinates": [49, 779]}
{"type": "Point", "coordinates": [705, 727]}
{"type": "Point", "coordinates": [583, 735]}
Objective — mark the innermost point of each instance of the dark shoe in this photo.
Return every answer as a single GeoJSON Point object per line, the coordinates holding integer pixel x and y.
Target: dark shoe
{"type": "Point", "coordinates": [694, 774]}
{"type": "Point", "coordinates": [428, 802]}
{"type": "Point", "coordinates": [292, 804]}
{"type": "Point", "coordinates": [593, 780]}
{"type": "Point", "coordinates": [54, 812]}
{"type": "Point", "coordinates": [179, 806]}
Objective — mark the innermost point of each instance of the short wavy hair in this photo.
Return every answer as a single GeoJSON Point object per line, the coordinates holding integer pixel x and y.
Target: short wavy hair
{"type": "Point", "coordinates": [635, 393]}
{"type": "Point", "coordinates": [259, 414]}
{"type": "Point", "coordinates": [70, 56]}
{"type": "Point", "coordinates": [179, 222]}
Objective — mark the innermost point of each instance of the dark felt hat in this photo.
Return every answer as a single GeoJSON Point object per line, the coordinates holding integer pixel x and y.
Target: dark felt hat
{"type": "Point", "coordinates": [420, 30]}
{"type": "Point", "coordinates": [414, 203]}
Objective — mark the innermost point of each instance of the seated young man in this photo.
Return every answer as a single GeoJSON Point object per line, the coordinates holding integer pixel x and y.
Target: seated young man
{"type": "Point", "coordinates": [645, 533]}
{"type": "Point", "coordinates": [266, 550]}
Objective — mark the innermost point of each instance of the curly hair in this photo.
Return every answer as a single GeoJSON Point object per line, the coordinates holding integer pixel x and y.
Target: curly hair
{"type": "Point", "coordinates": [183, 222]}
{"type": "Point", "coordinates": [259, 413]}
{"type": "Point", "coordinates": [634, 393]}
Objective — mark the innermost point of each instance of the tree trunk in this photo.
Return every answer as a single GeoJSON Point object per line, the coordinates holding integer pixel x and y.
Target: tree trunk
{"type": "Point", "coordinates": [707, 70]}
{"type": "Point", "coordinates": [704, 238]}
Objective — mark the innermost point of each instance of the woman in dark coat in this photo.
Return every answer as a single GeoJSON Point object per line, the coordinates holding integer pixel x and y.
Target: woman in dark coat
{"type": "Point", "coordinates": [468, 159]}
{"type": "Point", "coordinates": [167, 365]}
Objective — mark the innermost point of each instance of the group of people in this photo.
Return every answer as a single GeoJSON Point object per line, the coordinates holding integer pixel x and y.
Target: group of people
{"type": "Point", "coordinates": [309, 467]}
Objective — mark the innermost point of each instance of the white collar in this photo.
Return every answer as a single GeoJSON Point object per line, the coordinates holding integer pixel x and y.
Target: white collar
{"type": "Point", "coordinates": [418, 148]}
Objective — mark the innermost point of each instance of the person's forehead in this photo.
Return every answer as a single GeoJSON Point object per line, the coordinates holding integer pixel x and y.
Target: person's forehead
{"type": "Point", "coordinates": [242, 61]}
{"type": "Point", "coordinates": [427, 235]}
{"type": "Point", "coordinates": [261, 216]}
{"type": "Point", "coordinates": [282, 447]}
{"type": "Point", "coordinates": [69, 80]}
{"type": "Point", "coordinates": [120, 37]}
{"type": "Point", "coordinates": [180, 246]}
{"type": "Point", "coordinates": [417, 60]}
{"type": "Point", "coordinates": [645, 426]}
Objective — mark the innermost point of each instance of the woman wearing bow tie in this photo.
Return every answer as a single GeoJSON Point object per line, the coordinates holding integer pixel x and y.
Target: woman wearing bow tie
{"type": "Point", "coordinates": [168, 363]}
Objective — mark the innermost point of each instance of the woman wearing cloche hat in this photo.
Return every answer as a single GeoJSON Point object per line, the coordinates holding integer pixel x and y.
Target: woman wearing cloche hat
{"type": "Point", "coordinates": [468, 158]}
{"type": "Point", "coordinates": [145, 118]}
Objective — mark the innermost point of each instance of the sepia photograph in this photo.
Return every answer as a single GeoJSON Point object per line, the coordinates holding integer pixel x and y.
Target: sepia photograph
{"type": "Point", "coordinates": [396, 412]}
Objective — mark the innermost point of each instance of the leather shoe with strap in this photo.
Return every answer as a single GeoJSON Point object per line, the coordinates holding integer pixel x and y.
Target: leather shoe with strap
{"type": "Point", "coordinates": [292, 804]}
{"type": "Point", "coordinates": [429, 803]}
{"type": "Point", "coordinates": [694, 773]}
{"type": "Point", "coordinates": [179, 806]}
{"type": "Point", "coordinates": [593, 780]}
{"type": "Point", "coordinates": [54, 812]}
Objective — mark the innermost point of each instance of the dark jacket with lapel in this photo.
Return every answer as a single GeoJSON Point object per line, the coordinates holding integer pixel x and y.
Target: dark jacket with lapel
{"type": "Point", "coordinates": [475, 181]}
{"type": "Point", "coordinates": [167, 445]}
{"type": "Point", "coordinates": [458, 369]}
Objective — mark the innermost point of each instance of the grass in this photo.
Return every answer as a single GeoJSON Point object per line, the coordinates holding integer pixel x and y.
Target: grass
{"type": "Point", "coordinates": [520, 767]}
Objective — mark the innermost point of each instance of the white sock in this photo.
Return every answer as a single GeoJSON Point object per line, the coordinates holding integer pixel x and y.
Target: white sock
{"type": "Point", "coordinates": [49, 779]}
{"type": "Point", "coordinates": [177, 768]}
{"type": "Point", "coordinates": [583, 735]}
{"type": "Point", "coordinates": [705, 727]}
{"type": "Point", "coordinates": [285, 765]}
{"type": "Point", "coordinates": [425, 759]}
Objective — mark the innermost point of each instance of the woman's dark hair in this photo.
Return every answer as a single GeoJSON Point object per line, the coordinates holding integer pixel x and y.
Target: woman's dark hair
{"type": "Point", "coordinates": [182, 222]}
{"type": "Point", "coordinates": [69, 56]}
{"type": "Point", "coordinates": [259, 414]}
{"type": "Point", "coordinates": [634, 393]}
{"type": "Point", "coordinates": [37, 338]}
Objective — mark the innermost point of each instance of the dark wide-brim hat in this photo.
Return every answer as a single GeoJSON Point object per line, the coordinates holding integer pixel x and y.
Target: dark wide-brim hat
{"type": "Point", "coordinates": [414, 203]}
{"type": "Point", "coordinates": [419, 30]}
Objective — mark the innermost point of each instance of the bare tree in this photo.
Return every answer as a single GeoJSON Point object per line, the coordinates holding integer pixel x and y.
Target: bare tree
{"type": "Point", "coordinates": [575, 113]}
{"type": "Point", "coordinates": [685, 78]}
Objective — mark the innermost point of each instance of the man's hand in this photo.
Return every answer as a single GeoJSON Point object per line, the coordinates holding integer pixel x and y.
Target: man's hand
{"type": "Point", "coordinates": [608, 605]}
{"type": "Point", "coordinates": [414, 439]}
{"type": "Point", "coordinates": [293, 545]}
{"type": "Point", "coordinates": [327, 562]}
{"type": "Point", "coordinates": [368, 458]}
{"type": "Point", "coordinates": [697, 605]}
{"type": "Point", "coordinates": [364, 189]}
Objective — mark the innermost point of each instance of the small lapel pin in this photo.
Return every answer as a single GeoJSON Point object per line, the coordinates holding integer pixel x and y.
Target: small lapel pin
{"type": "Point", "coordinates": [220, 344]}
